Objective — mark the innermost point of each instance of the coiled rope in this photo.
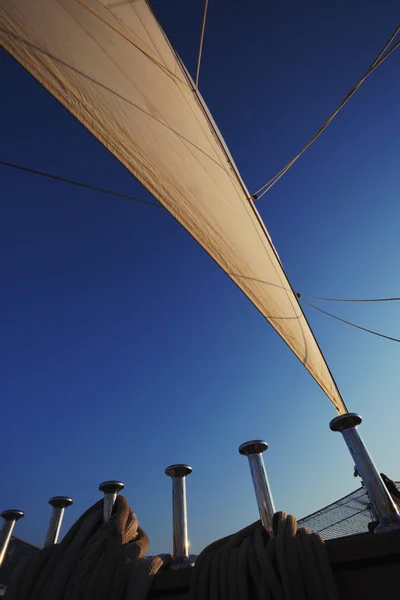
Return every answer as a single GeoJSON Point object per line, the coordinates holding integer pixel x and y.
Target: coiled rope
{"type": "Point", "coordinates": [251, 565]}
{"type": "Point", "coordinates": [95, 561]}
{"type": "Point", "coordinates": [105, 561]}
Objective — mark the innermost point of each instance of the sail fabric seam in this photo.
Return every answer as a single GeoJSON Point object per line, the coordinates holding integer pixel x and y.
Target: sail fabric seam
{"type": "Point", "coordinates": [192, 89]}
{"type": "Point", "coordinates": [125, 26]}
{"type": "Point", "coordinates": [144, 27]}
{"type": "Point", "coordinates": [128, 39]}
{"type": "Point", "coordinates": [377, 62]}
{"type": "Point", "coordinates": [201, 104]}
{"type": "Point", "coordinates": [203, 107]}
{"type": "Point", "coordinates": [188, 84]}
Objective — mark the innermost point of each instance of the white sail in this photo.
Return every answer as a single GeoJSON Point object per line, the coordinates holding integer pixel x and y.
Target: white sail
{"type": "Point", "coordinates": [110, 64]}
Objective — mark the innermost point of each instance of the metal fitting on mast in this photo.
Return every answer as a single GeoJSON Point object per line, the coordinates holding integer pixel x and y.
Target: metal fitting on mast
{"type": "Point", "coordinates": [110, 490]}
{"type": "Point", "coordinates": [181, 558]}
{"type": "Point", "coordinates": [254, 451]}
{"type": "Point", "coordinates": [389, 518]}
{"type": "Point", "coordinates": [59, 504]}
{"type": "Point", "coordinates": [10, 518]}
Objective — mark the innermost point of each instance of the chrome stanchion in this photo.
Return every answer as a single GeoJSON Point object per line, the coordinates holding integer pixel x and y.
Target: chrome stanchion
{"type": "Point", "coordinates": [389, 518]}
{"type": "Point", "coordinates": [110, 490]}
{"type": "Point", "coordinates": [10, 518]}
{"type": "Point", "coordinates": [59, 504]}
{"type": "Point", "coordinates": [181, 558]}
{"type": "Point", "coordinates": [254, 450]}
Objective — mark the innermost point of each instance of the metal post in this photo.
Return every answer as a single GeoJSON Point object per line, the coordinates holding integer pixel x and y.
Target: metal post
{"type": "Point", "coordinates": [378, 493]}
{"type": "Point", "coordinates": [253, 450]}
{"type": "Point", "coordinates": [178, 474]}
{"type": "Point", "coordinates": [110, 490]}
{"type": "Point", "coordinates": [59, 504]}
{"type": "Point", "coordinates": [10, 518]}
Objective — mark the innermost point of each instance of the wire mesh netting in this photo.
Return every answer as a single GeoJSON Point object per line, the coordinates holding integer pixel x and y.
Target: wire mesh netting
{"type": "Point", "coordinates": [348, 516]}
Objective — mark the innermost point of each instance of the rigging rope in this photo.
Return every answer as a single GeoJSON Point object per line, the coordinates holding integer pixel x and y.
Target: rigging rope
{"type": "Point", "coordinates": [393, 339]}
{"type": "Point", "coordinates": [394, 299]}
{"type": "Point", "coordinates": [149, 203]}
{"type": "Point", "coordinates": [378, 61]}
{"type": "Point", "coordinates": [251, 565]}
{"type": "Point", "coordinates": [79, 184]}
{"type": "Point", "coordinates": [201, 43]}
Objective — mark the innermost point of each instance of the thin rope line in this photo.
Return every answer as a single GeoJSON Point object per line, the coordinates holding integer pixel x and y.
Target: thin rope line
{"type": "Point", "coordinates": [148, 202]}
{"type": "Point", "coordinates": [201, 43]}
{"type": "Point", "coordinates": [299, 295]}
{"type": "Point", "coordinates": [131, 41]}
{"type": "Point", "coordinates": [393, 339]}
{"type": "Point", "coordinates": [377, 62]}
{"type": "Point", "coordinates": [276, 178]}
{"type": "Point", "coordinates": [80, 184]}
{"type": "Point", "coordinates": [374, 65]}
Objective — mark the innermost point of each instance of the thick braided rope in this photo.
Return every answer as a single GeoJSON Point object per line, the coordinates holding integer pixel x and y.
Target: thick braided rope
{"type": "Point", "coordinates": [95, 561]}
{"type": "Point", "coordinates": [251, 565]}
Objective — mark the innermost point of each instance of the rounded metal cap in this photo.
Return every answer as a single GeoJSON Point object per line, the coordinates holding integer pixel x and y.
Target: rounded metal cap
{"type": "Point", "coordinates": [12, 514]}
{"type": "Point", "coordinates": [60, 501]}
{"type": "Point", "coordinates": [253, 447]}
{"type": "Point", "coordinates": [178, 470]}
{"type": "Point", "coordinates": [181, 562]}
{"type": "Point", "coordinates": [389, 522]}
{"type": "Point", "coordinates": [111, 487]}
{"type": "Point", "coordinates": [343, 422]}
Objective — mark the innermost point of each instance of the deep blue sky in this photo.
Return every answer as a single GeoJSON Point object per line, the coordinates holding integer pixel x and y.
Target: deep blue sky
{"type": "Point", "coordinates": [125, 348]}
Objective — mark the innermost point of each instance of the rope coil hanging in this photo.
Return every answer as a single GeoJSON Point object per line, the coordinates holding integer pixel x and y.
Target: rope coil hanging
{"type": "Point", "coordinates": [251, 565]}
{"type": "Point", "coordinates": [100, 560]}
{"type": "Point", "coordinates": [96, 560]}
